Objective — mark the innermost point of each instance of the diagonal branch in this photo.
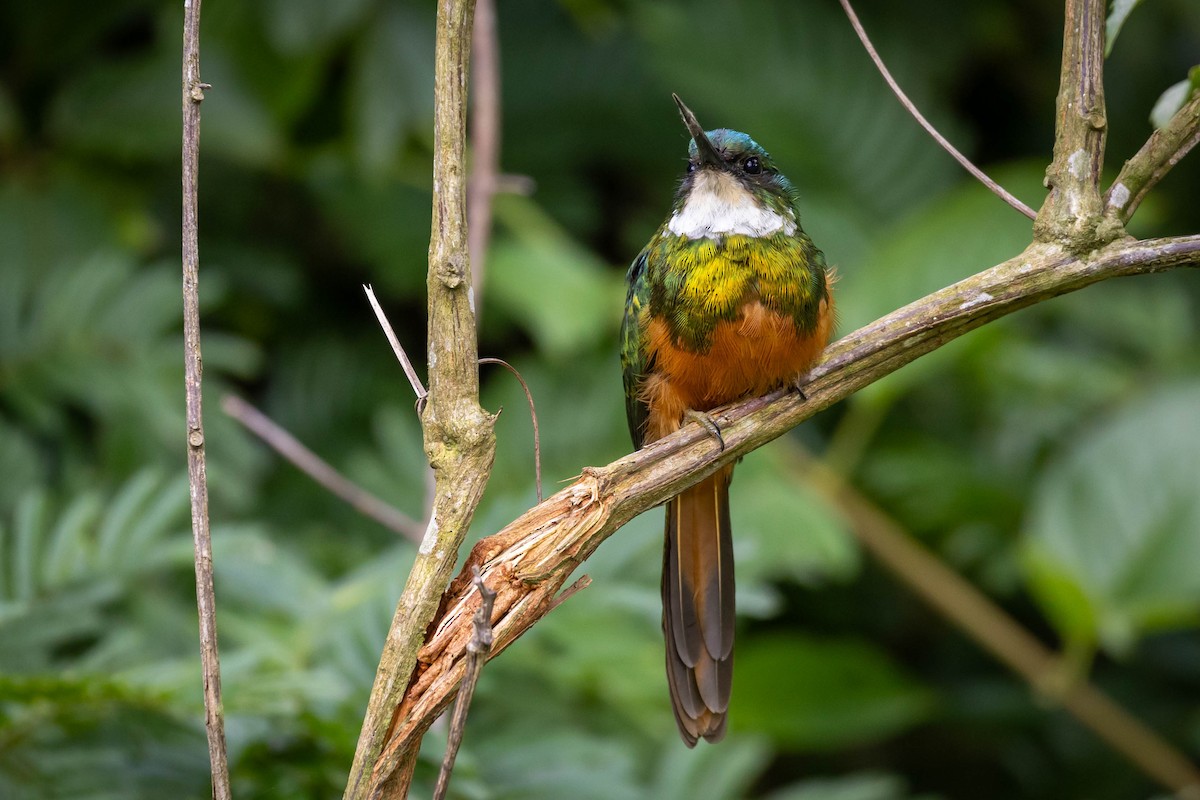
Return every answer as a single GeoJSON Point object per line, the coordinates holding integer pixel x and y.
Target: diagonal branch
{"type": "Point", "coordinates": [912, 109]}
{"type": "Point", "coordinates": [319, 470]}
{"type": "Point", "coordinates": [1158, 155]}
{"type": "Point", "coordinates": [1072, 209]}
{"type": "Point", "coordinates": [401, 356]}
{"type": "Point", "coordinates": [993, 629]}
{"type": "Point", "coordinates": [532, 557]}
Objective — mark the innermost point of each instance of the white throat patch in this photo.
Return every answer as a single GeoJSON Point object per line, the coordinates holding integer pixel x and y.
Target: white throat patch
{"type": "Point", "coordinates": [719, 205]}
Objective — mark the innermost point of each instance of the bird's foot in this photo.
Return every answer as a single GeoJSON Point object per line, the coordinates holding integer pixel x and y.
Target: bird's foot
{"type": "Point", "coordinates": [798, 384]}
{"type": "Point", "coordinates": [706, 422]}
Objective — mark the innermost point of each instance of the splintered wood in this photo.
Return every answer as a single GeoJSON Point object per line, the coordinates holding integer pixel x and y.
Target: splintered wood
{"type": "Point", "coordinates": [525, 564]}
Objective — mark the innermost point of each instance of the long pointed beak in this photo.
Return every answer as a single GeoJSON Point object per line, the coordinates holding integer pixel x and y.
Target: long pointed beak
{"type": "Point", "coordinates": [708, 153]}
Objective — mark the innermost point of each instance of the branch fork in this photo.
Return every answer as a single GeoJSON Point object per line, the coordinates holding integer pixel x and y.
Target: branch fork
{"type": "Point", "coordinates": [1077, 242]}
{"type": "Point", "coordinates": [532, 557]}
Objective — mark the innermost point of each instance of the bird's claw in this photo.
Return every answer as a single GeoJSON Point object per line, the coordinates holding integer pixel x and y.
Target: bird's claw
{"type": "Point", "coordinates": [706, 422]}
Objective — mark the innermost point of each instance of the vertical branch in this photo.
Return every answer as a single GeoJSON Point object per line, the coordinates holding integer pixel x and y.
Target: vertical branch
{"type": "Point", "coordinates": [193, 95]}
{"type": "Point", "coordinates": [459, 436]}
{"type": "Point", "coordinates": [1072, 210]}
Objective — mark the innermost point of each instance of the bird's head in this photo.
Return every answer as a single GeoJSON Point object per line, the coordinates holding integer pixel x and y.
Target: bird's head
{"type": "Point", "coordinates": [729, 173]}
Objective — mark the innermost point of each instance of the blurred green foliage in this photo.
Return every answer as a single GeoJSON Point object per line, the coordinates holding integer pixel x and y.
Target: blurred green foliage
{"type": "Point", "coordinates": [1050, 457]}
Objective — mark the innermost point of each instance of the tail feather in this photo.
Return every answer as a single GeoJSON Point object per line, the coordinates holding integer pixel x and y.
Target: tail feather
{"type": "Point", "coordinates": [698, 607]}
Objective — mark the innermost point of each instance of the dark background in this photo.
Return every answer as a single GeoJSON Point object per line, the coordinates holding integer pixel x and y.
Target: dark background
{"type": "Point", "coordinates": [1051, 458]}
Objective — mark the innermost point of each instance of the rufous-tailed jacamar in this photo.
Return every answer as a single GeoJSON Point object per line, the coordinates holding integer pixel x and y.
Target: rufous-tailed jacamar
{"type": "Point", "coordinates": [729, 299]}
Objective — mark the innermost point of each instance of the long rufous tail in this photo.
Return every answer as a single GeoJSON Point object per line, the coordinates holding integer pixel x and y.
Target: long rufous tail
{"type": "Point", "coordinates": [698, 607]}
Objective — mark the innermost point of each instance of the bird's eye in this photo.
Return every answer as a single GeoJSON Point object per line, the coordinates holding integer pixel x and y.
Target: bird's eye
{"type": "Point", "coordinates": [692, 166]}
{"type": "Point", "coordinates": [751, 166]}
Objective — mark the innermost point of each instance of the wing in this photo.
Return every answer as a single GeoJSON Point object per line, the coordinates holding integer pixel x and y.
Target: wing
{"type": "Point", "coordinates": [635, 364]}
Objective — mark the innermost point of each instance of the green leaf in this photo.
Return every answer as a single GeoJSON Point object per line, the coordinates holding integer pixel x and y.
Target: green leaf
{"type": "Point", "coordinates": [258, 574]}
{"type": "Point", "coordinates": [860, 786]}
{"type": "Point", "coordinates": [1152, 321]}
{"type": "Point", "coordinates": [299, 26]}
{"type": "Point", "coordinates": [391, 90]}
{"type": "Point", "coordinates": [31, 518]}
{"type": "Point", "coordinates": [67, 547]}
{"type": "Point", "coordinates": [783, 529]}
{"type": "Point", "coordinates": [932, 484]}
{"type": "Point", "coordinates": [280, 52]}
{"type": "Point", "coordinates": [543, 280]}
{"type": "Point", "coordinates": [567, 764]}
{"type": "Point", "coordinates": [1063, 597]}
{"type": "Point", "coordinates": [384, 223]}
{"type": "Point", "coordinates": [393, 464]}
{"type": "Point", "coordinates": [47, 225]}
{"type": "Point", "coordinates": [625, 630]}
{"type": "Point", "coordinates": [62, 572]}
{"type": "Point", "coordinates": [22, 464]}
{"type": "Point", "coordinates": [929, 251]}
{"type": "Point", "coordinates": [1172, 99]}
{"type": "Point", "coordinates": [1121, 10]}
{"type": "Point", "coordinates": [582, 395]}
{"type": "Point", "coordinates": [129, 111]}
{"type": "Point", "coordinates": [142, 519]}
{"type": "Point", "coordinates": [128, 535]}
{"type": "Point", "coordinates": [237, 122]}
{"type": "Point", "coordinates": [1114, 531]}
{"type": "Point", "coordinates": [95, 739]}
{"type": "Point", "coordinates": [823, 694]}
{"type": "Point", "coordinates": [724, 773]}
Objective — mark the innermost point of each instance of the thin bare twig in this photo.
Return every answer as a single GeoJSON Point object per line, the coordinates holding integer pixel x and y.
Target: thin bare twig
{"type": "Point", "coordinates": [206, 605]}
{"type": "Point", "coordinates": [537, 437]}
{"type": "Point", "coordinates": [477, 653]}
{"type": "Point", "coordinates": [998, 633]}
{"type": "Point", "coordinates": [319, 470]}
{"type": "Point", "coordinates": [485, 140]}
{"type": "Point", "coordinates": [909, 106]}
{"type": "Point", "coordinates": [401, 356]}
{"type": "Point", "coordinates": [421, 393]}
{"type": "Point", "coordinates": [566, 594]}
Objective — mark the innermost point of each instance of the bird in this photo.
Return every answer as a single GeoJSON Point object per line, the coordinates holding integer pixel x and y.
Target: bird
{"type": "Point", "coordinates": [729, 299]}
